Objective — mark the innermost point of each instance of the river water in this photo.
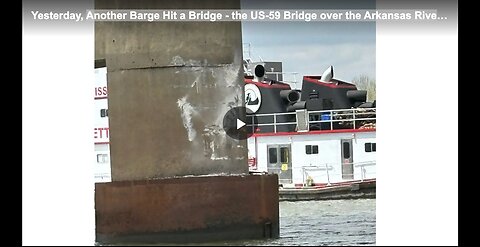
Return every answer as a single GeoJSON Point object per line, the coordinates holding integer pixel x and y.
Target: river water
{"type": "Point", "coordinates": [314, 223]}
{"type": "Point", "coordinates": [335, 222]}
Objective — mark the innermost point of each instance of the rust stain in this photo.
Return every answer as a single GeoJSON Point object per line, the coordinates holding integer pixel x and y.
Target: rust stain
{"type": "Point", "coordinates": [187, 204]}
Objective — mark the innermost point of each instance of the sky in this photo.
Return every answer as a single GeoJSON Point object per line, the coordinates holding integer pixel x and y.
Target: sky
{"type": "Point", "coordinates": [310, 47]}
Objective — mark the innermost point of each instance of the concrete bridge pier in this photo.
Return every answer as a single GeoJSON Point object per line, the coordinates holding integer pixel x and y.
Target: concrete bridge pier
{"type": "Point", "coordinates": [176, 175]}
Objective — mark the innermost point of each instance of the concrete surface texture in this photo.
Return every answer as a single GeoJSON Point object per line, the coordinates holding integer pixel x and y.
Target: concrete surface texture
{"type": "Point", "coordinates": [170, 84]}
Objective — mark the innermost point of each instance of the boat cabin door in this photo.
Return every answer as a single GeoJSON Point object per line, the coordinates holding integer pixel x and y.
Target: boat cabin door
{"type": "Point", "coordinates": [347, 159]}
{"type": "Point", "coordinates": [280, 162]}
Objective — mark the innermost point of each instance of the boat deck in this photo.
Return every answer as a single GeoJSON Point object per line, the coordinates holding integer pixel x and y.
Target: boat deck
{"type": "Point", "coordinates": [353, 190]}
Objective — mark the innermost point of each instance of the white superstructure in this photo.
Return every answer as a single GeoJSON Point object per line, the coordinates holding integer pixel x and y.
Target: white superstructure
{"type": "Point", "coordinates": [101, 135]}
{"type": "Point", "coordinates": [318, 157]}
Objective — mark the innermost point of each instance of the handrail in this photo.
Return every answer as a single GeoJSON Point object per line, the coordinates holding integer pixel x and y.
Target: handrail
{"type": "Point", "coordinates": [327, 167]}
{"type": "Point", "coordinates": [271, 114]}
{"type": "Point", "coordinates": [287, 123]}
{"type": "Point", "coordinates": [355, 118]}
{"type": "Point", "coordinates": [339, 120]}
{"type": "Point", "coordinates": [276, 73]}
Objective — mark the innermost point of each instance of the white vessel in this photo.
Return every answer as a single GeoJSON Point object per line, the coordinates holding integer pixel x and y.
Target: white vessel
{"type": "Point", "coordinates": [323, 135]}
{"type": "Point", "coordinates": [317, 157]}
{"type": "Point", "coordinates": [101, 135]}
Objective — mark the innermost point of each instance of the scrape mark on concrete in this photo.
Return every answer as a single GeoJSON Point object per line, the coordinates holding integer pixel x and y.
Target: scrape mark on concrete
{"type": "Point", "coordinates": [179, 61]}
{"type": "Point", "coordinates": [187, 111]}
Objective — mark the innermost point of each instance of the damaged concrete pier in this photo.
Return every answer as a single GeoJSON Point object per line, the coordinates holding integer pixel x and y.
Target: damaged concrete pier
{"type": "Point", "coordinates": [176, 175]}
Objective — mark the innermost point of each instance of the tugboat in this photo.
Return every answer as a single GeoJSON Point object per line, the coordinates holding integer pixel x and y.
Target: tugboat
{"type": "Point", "coordinates": [320, 140]}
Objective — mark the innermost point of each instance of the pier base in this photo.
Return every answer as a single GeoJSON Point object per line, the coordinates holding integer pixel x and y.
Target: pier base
{"type": "Point", "coordinates": [187, 209]}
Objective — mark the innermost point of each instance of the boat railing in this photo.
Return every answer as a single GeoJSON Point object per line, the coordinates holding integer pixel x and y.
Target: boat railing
{"type": "Point", "coordinates": [275, 122]}
{"type": "Point", "coordinates": [362, 166]}
{"type": "Point", "coordinates": [292, 76]}
{"type": "Point", "coordinates": [102, 177]}
{"type": "Point", "coordinates": [328, 168]}
{"type": "Point", "coordinates": [355, 118]}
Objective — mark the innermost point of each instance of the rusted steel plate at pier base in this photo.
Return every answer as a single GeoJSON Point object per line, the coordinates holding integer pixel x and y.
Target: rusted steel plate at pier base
{"type": "Point", "coordinates": [187, 209]}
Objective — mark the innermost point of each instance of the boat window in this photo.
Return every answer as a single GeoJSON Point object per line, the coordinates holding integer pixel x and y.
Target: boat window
{"type": "Point", "coordinates": [272, 155]}
{"type": "Point", "coordinates": [102, 158]}
{"type": "Point", "coordinates": [104, 113]}
{"type": "Point", "coordinates": [308, 149]}
{"type": "Point", "coordinates": [284, 155]}
{"type": "Point", "coordinates": [311, 149]}
{"type": "Point", "coordinates": [370, 147]}
{"type": "Point", "coordinates": [346, 150]}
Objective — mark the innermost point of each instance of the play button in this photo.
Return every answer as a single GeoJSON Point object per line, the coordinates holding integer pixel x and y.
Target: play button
{"type": "Point", "coordinates": [240, 124]}
{"type": "Point", "coordinates": [237, 123]}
